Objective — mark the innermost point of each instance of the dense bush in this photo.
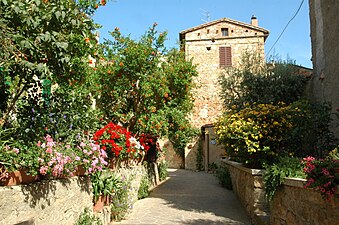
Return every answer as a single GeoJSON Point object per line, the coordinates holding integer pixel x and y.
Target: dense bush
{"type": "Point", "coordinates": [257, 134]}
{"type": "Point", "coordinates": [163, 170]}
{"type": "Point", "coordinates": [257, 82]}
{"type": "Point", "coordinates": [224, 177]}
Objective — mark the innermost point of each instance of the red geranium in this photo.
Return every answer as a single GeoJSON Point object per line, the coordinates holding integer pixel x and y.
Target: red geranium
{"type": "Point", "coordinates": [115, 138]}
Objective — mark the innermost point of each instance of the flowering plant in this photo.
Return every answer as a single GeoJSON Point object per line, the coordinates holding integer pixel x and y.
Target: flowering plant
{"type": "Point", "coordinates": [320, 175]}
{"type": "Point", "coordinates": [118, 142]}
{"type": "Point", "coordinates": [60, 159]}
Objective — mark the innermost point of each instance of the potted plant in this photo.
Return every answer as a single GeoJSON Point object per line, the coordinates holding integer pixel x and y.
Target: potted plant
{"type": "Point", "coordinates": [104, 184]}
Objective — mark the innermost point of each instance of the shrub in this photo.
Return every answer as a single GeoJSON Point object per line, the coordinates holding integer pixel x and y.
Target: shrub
{"type": "Point", "coordinates": [255, 81]}
{"type": "Point", "coordinates": [224, 177]}
{"type": "Point", "coordinates": [87, 218]}
{"type": "Point", "coordinates": [143, 191]}
{"type": "Point", "coordinates": [275, 174]}
{"type": "Point", "coordinates": [163, 170]}
{"type": "Point", "coordinates": [255, 135]}
{"type": "Point", "coordinates": [259, 133]}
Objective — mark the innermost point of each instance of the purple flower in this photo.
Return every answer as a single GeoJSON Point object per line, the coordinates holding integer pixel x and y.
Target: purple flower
{"type": "Point", "coordinates": [33, 110]}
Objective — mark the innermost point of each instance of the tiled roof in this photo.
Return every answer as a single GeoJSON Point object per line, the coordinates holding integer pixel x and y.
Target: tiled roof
{"type": "Point", "coordinates": [228, 21]}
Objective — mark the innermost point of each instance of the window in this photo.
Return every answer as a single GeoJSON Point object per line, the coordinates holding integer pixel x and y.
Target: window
{"type": "Point", "coordinates": [224, 32]}
{"type": "Point", "coordinates": [225, 56]}
{"type": "Point", "coordinates": [208, 31]}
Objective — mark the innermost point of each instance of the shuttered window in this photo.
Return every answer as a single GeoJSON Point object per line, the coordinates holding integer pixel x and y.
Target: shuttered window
{"type": "Point", "coordinates": [225, 56]}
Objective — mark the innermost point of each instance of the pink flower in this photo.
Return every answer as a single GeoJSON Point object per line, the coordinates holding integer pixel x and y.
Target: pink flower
{"type": "Point", "coordinates": [39, 143]}
{"type": "Point", "coordinates": [82, 144]}
{"type": "Point", "coordinates": [49, 150]}
{"type": "Point", "coordinates": [325, 172]}
{"type": "Point", "coordinates": [16, 150]}
{"type": "Point", "coordinates": [68, 146]}
{"type": "Point", "coordinates": [77, 158]}
{"type": "Point", "coordinates": [43, 170]}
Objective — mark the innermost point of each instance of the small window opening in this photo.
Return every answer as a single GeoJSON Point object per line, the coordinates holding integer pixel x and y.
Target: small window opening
{"type": "Point", "coordinates": [224, 32]}
{"type": "Point", "coordinates": [208, 31]}
{"type": "Point", "coordinates": [198, 34]}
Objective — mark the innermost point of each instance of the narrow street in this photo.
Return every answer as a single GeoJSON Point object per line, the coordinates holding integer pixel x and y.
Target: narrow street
{"type": "Point", "coordinates": [188, 198]}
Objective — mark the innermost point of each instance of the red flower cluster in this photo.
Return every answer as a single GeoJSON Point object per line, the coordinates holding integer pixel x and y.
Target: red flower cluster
{"type": "Point", "coordinates": [113, 137]}
{"type": "Point", "coordinates": [147, 140]}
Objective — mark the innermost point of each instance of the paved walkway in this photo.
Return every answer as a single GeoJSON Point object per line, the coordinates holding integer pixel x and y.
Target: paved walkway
{"type": "Point", "coordinates": [188, 198]}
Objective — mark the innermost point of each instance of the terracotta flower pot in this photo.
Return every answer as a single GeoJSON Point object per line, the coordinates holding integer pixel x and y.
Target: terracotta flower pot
{"type": "Point", "coordinates": [18, 177]}
{"type": "Point", "coordinates": [80, 171]}
{"type": "Point", "coordinates": [100, 203]}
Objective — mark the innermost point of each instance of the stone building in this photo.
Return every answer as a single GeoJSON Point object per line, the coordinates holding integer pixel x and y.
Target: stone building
{"type": "Point", "coordinates": [325, 54]}
{"type": "Point", "coordinates": [213, 46]}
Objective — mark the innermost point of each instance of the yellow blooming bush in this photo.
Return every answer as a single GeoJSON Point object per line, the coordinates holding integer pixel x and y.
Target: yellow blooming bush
{"type": "Point", "coordinates": [257, 133]}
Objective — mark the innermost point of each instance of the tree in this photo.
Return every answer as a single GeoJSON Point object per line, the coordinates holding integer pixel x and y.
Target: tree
{"type": "Point", "coordinates": [42, 40]}
{"type": "Point", "coordinates": [145, 87]}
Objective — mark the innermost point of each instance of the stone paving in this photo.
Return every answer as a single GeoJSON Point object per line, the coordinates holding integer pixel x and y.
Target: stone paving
{"type": "Point", "coordinates": [188, 198]}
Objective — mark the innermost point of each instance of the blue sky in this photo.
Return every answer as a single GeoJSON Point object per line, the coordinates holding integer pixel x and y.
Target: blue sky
{"type": "Point", "coordinates": [134, 17]}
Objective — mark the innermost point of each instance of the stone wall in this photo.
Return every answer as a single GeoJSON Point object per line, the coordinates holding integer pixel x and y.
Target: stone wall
{"type": "Point", "coordinates": [61, 201]}
{"type": "Point", "coordinates": [45, 202]}
{"type": "Point", "coordinates": [293, 204]}
{"type": "Point", "coordinates": [325, 53]}
{"type": "Point", "coordinates": [249, 188]}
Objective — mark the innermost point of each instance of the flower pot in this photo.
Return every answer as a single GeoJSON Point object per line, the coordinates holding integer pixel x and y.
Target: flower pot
{"type": "Point", "coordinates": [80, 171]}
{"type": "Point", "coordinates": [18, 177]}
{"type": "Point", "coordinates": [100, 203]}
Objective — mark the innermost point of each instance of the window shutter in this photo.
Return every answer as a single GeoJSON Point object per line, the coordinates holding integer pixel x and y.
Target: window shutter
{"type": "Point", "coordinates": [225, 56]}
{"type": "Point", "coordinates": [222, 55]}
{"type": "Point", "coordinates": [228, 56]}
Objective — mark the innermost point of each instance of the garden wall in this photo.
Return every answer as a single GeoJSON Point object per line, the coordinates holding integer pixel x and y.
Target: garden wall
{"type": "Point", "coordinates": [45, 202]}
{"type": "Point", "coordinates": [292, 203]}
{"type": "Point", "coordinates": [248, 187]}
{"type": "Point", "coordinates": [61, 201]}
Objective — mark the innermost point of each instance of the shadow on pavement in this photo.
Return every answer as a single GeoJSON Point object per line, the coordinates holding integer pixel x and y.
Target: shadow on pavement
{"type": "Point", "coordinates": [200, 192]}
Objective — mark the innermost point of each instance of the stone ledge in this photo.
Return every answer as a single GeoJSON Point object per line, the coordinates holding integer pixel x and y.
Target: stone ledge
{"type": "Point", "coordinates": [300, 183]}
{"type": "Point", "coordinates": [254, 172]}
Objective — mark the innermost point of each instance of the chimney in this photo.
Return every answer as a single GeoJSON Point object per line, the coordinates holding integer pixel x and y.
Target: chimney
{"type": "Point", "coordinates": [254, 21]}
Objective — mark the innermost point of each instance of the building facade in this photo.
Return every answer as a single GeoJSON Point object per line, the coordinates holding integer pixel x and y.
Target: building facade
{"type": "Point", "coordinates": [212, 47]}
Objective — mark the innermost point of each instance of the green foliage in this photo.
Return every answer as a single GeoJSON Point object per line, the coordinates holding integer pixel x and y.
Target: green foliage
{"type": "Point", "coordinates": [321, 175]}
{"type": "Point", "coordinates": [260, 132]}
{"type": "Point", "coordinates": [145, 184]}
{"type": "Point", "coordinates": [163, 170]}
{"type": "Point", "coordinates": [105, 183]}
{"type": "Point", "coordinates": [200, 157]}
{"type": "Point", "coordinates": [224, 177]}
{"type": "Point", "coordinates": [213, 167]}
{"type": "Point", "coordinates": [257, 82]}
{"type": "Point", "coordinates": [145, 87]}
{"type": "Point", "coordinates": [256, 134]}
{"type": "Point", "coordinates": [275, 174]}
{"type": "Point", "coordinates": [87, 218]}
{"type": "Point", "coordinates": [38, 44]}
